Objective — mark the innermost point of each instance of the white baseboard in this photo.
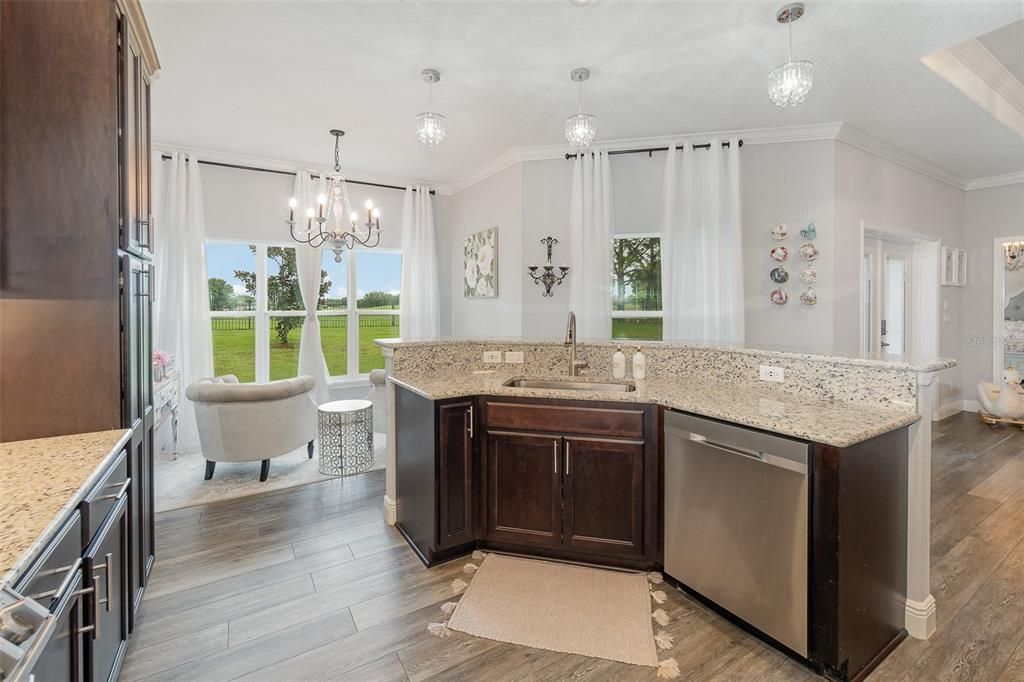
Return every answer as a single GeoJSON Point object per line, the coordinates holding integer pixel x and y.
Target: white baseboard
{"type": "Point", "coordinates": [920, 618]}
{"type": "Point", "coordinates": [971, 406]}
{"type": "Point", "coordinates": [390, 511]}
{"type": "Point", "coordinates": [947, 410]}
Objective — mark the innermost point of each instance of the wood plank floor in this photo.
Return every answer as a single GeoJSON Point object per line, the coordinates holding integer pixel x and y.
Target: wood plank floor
{"type": "Point", "coordinates": [309, 583]}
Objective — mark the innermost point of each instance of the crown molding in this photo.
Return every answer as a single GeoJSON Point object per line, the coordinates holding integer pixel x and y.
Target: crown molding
{"type": "Point", "coordinates": [290, 166]}
{"type": "Point", "coordinates": [996, 181]}
{"type": "Point", "coordinates": [864, 142]}
{"type": "Point", "coordinates": [751, 136]}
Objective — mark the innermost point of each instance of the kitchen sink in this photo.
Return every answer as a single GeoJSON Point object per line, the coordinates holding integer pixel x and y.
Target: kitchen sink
{"type": "Point", "coordinates": [563, 385]}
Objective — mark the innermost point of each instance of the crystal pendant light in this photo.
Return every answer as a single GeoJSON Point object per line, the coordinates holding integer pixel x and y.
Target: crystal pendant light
{"type": "Point", "coordinates": [580, 128]}
{"type": "Point", "coordinates": [789, 83]}
{"type": "Point", "coordinates": [431, 128]}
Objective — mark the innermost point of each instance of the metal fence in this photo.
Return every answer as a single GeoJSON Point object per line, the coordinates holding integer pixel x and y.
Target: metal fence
{"type": "Point", "coordinates": [220, 324]}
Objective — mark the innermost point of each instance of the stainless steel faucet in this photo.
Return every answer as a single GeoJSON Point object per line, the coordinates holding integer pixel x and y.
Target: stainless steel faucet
{"type": "Point", "coordinates": [570, 340]}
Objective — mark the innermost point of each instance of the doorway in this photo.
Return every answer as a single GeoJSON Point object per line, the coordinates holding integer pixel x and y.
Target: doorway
{"type": "Point", "coordinates": [888, 291]}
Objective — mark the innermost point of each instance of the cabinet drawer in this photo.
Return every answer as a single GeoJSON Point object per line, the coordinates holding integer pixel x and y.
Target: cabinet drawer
{"type": "Point", "coordinates": [56, 564]}
{"type": "Point", "coordinates": [604, 421]}
{"type": "Point", "coordinates": [104, 495]}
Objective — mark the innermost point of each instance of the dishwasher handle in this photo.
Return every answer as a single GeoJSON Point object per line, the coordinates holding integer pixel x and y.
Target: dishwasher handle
{"type": "Point", "coordinates": [756, 455]}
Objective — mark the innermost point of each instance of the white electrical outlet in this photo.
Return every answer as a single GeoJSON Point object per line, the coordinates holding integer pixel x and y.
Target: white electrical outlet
{"type": "Point", "coordinates": [491, 356]}
{"type": "Point", "coordinates": [514, 356]}
{"type": "Point", "coordinates": [770, 373]}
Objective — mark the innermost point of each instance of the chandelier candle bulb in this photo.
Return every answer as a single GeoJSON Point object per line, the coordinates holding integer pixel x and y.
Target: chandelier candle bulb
{"type": "Point", "coordinates": [292, 203]}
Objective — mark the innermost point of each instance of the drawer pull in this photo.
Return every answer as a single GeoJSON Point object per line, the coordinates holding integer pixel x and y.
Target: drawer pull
{"type": "Point", "coordinates": [64, 584]}
{"type": "Point", "coordinates": [119, 493]}
{"type": "Point", "coordinates": [95, 627]}
{"type": "Point", "coordinates": [554, 455]}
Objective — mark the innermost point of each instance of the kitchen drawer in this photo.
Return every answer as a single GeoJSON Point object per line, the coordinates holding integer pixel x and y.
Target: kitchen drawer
{"type": "Point", "coordinates": [56, 564]}
{"type": "Point", "coordinates": [104, 495]}
{"type": "Point", "coordinates": [624, 422]}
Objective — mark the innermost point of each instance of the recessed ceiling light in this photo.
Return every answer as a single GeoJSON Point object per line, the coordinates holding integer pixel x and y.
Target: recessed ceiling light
{"type": "Point", "coordinates": [582, 3]}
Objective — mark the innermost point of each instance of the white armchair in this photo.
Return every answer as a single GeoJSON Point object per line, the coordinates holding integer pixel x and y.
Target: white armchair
{"type": "Point", "coordinates": [253, 422]}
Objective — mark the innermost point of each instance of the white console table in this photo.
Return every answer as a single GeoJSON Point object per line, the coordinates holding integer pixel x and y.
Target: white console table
{"type": "Point", "coordinates": [166, 394]}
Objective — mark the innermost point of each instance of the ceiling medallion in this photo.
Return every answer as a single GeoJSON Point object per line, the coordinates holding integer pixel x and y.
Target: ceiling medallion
{"type": "Point", "coordinates": [789, 84]}
{"type": "Point", "coordinates": [334, 211]}
{"type": "Point", "coordinates": [431, 127]}
{"type": "Point", "coordinates": [580, 128]}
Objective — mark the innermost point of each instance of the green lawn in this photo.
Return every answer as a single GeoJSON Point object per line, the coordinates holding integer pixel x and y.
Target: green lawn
{"type": "Point", "coordinates": [639, 328]}
{"type": "Point", "coordinates": [234, 350]}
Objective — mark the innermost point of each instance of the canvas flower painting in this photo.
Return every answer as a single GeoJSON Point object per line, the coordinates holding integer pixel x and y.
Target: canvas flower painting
{"type": "Point", "coordinates": [480, 263]}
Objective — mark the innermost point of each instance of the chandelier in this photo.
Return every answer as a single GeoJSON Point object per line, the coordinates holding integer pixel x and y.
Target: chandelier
{"type": "Point", "coordinates": [336, 223]}
{"type": "Point", "coordinates": [431, 128]}
{"type": "Point", "coordinates": [789, 83]}
{"type": "Point", "coordinates": [1014, 255]}
{"type": "Point", "coordinates": [549, 278]}
{"type": "Point", "coordinates": [580, 128]}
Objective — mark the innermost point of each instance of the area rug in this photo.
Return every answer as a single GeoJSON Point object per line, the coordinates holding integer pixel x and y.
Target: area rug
{"type": "Point", "coordinates": [561, 607]}
{"type": "Point", "coordinates": [178, 481]}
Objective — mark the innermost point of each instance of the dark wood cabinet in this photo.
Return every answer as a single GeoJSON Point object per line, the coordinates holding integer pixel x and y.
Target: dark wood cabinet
{"type": "Point", "coordinates": [604, 495]}
{"type": "Point", "coordinates": [106, 570]}
{"type": "Point", "coordinates": [61, 658]}
{"type": "Point", "coordinates": [523, 492]}
{"type": "Point", "coordinates": [456, 513]}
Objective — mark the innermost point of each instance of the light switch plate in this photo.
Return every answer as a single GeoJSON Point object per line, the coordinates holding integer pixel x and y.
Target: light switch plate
{"type": "Point", "coordinates": [492, 356]}
{"type": "Point", "coordinates": [514, 356]}
{"type": "Point", "coordinates": [770, 373]}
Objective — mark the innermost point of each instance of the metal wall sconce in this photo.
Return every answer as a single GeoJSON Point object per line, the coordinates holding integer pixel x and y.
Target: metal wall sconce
{"type": "Point", "coordinates": [549, 278]}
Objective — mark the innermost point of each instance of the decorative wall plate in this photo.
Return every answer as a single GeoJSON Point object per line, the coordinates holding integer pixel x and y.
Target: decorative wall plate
{"type": "Point", "coordinates": [809, 297]}
{"type": "Point", "coordinates": [809, 251]}
{"type": "Point", "coordinates": [780, 231]}
{"type": "Point", "coordinates": [780, 253]}
{"type": "Point", "coordinates": [810, 232]}
{"type": "Point", "coordinates": [779, 275]}
{"type": "Point", "coordinates": [809, 275]}
{"type": "Point", "coordinates": [779, 297]}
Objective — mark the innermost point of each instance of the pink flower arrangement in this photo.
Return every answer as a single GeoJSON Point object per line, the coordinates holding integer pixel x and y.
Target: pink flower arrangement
{"type": "Point", "coordinates": [160, 358]}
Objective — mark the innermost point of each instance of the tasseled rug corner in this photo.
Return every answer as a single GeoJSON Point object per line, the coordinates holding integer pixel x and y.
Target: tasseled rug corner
{"type": "Point", "coordinates": [665, 669]}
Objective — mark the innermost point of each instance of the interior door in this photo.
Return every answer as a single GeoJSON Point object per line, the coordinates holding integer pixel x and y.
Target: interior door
{"type": "Point", "coordinates": [887, 295]}
{"type": "Point", "coordinates": [604, 495]}
{"type": "Point", "coordinates": [524, 492]}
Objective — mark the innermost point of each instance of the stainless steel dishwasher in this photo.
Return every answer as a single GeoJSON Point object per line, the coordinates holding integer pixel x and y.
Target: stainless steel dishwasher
{"type": "Point", "coordinates": [736, 522]}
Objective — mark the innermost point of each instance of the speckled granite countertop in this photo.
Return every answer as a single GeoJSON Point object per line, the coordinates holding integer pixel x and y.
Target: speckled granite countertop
{"type": "Point", "coordinates": [829, 422]}
{"type": "Point", "coordinates": [41, 482]}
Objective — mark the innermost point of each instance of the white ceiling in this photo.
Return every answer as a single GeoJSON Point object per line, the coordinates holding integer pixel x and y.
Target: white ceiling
{"type": "Point", "coordinates": [1007, 45]}
{"type": "Point", "coordinates": [268, 79]}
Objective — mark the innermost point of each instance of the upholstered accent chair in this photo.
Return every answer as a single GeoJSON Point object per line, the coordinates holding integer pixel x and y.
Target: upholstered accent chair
{"type": "Point", "coordinates": [253, 422]}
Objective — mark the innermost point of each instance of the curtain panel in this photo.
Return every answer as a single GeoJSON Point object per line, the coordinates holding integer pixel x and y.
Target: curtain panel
{"type": "Point", "coordinates": [420, 298]}
{"type": "Point", "coordinates": [308, 263]}
{"type": "Point", "coordinates": [702, 244]}
{"type": "Point", "coordinates": [182, 305]}
{"type": "Point", "coordinates": [590, 237]}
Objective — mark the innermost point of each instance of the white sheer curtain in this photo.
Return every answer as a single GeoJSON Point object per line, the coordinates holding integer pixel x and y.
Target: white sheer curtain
{"type": "Point", "coordinates": [182, 303]}
{"type": "Point", "coordinates": [590, 237]}
{"type": "Point", "coordinates": [702, 244]}
{"type": "Point", "coordinates": [308, 263]}
{"type": "Point", "coordinates": [420, 298]}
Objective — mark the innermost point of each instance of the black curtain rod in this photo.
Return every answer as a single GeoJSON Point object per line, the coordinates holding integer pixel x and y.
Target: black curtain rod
{"type": "Point", "coordinates": [650, 150]}
{"type": "Point", "coordinates": [166, 157]}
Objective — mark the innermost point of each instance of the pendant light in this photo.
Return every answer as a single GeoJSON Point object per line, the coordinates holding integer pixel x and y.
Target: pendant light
{"type": "Point", "coordinates": [789, 83]}
{"type": "Point", "coordinates": [580, 128]}
{"type": "Point", "coordinates": [431, 127]}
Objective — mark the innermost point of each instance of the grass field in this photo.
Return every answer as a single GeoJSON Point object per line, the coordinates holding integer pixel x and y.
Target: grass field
{"type": "Point", "coordinates": [234, 350]}
{"type": "Point", "coordinates": [642, 328]}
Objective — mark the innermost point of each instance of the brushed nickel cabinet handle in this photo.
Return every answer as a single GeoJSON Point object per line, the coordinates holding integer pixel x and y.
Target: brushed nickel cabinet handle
{"type": "Point", "coordinates": [554, 455]}
{"type": "Point", "coordinates": [94, 629]}
{"type": "Point", "coordinates": [469, 425]}
{"type": "Point", "coordinates": [568, 469]}
{"type": "Point", "coordinates": [64, 583]}
{"type": "Point", "coordinates": [108, 568]}
{"type": "Point", "coordinates": [124, 488]}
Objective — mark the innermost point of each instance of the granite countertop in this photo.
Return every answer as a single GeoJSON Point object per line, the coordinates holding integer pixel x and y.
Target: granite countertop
{"type": "Point", "coordinates": [829, 422]}
{"type": "Point", "coordinates": [41, 483]}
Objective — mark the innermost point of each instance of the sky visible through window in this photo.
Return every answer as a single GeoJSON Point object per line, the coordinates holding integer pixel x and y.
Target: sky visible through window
{"type": "Point", "coordinates": [380, 271]}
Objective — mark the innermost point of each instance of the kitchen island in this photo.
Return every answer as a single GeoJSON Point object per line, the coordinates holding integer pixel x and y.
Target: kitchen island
{"type": "Point", "coordinates": [580, 475]}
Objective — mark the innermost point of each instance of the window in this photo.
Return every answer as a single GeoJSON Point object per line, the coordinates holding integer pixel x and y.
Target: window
{"type": "Point", "coordinates": [257, 309]}
{"type": "Point", "coordinates": [636, 287]}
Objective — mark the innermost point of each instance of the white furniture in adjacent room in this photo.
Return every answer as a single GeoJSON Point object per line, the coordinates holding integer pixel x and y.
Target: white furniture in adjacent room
{"type": "Point", "coordinates": [166, 397]}
{"type": "Point", "coordinates": [346, 437]}
{"type": "Point", "coordinates": [253, 422]}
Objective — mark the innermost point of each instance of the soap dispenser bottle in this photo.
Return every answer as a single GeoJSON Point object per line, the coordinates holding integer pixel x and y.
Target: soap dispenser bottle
{"type": "Point", "coordinates": [619, 363]}
{"type": "Point", "coordinates": [639, 364]}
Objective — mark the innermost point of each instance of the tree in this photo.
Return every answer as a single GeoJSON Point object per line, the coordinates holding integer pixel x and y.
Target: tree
{"type": "Point", "coordinates": [221, 294]}
{"type": "Point", "coordinates": [283, 291]}
{"type": "Point", "coordinates": [378, 299]}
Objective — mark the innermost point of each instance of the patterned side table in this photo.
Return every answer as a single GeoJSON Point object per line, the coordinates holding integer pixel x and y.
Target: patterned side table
{"type": "Point", "coordinates": [346, 437]}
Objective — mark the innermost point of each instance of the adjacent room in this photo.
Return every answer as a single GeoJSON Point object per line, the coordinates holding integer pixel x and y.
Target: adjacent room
{"type": "Point", "coordinates": [511, 339]}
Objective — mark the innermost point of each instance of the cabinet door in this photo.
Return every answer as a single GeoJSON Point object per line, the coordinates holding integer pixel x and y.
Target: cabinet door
{"type": "Point", "coordinates": [130, 80]}
{"type": "Point", "coordinates": [106, 571]}
{"type": "Point", "coordinates": [524, 503]}
{"type": "Point", "coordinates": [61, 658]}
{"type": "Point", "coordinates": [604, 495]}
{"type": "Point", "coordinates": [131, 343]}
{"type": "Point", "coordinates": [455, 474]}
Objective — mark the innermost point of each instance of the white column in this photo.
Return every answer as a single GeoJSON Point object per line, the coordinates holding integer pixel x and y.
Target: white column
{"type": "Point", "coordinates": [920, 609]}
{"type": "Point", "coordinates": [390, 487]}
